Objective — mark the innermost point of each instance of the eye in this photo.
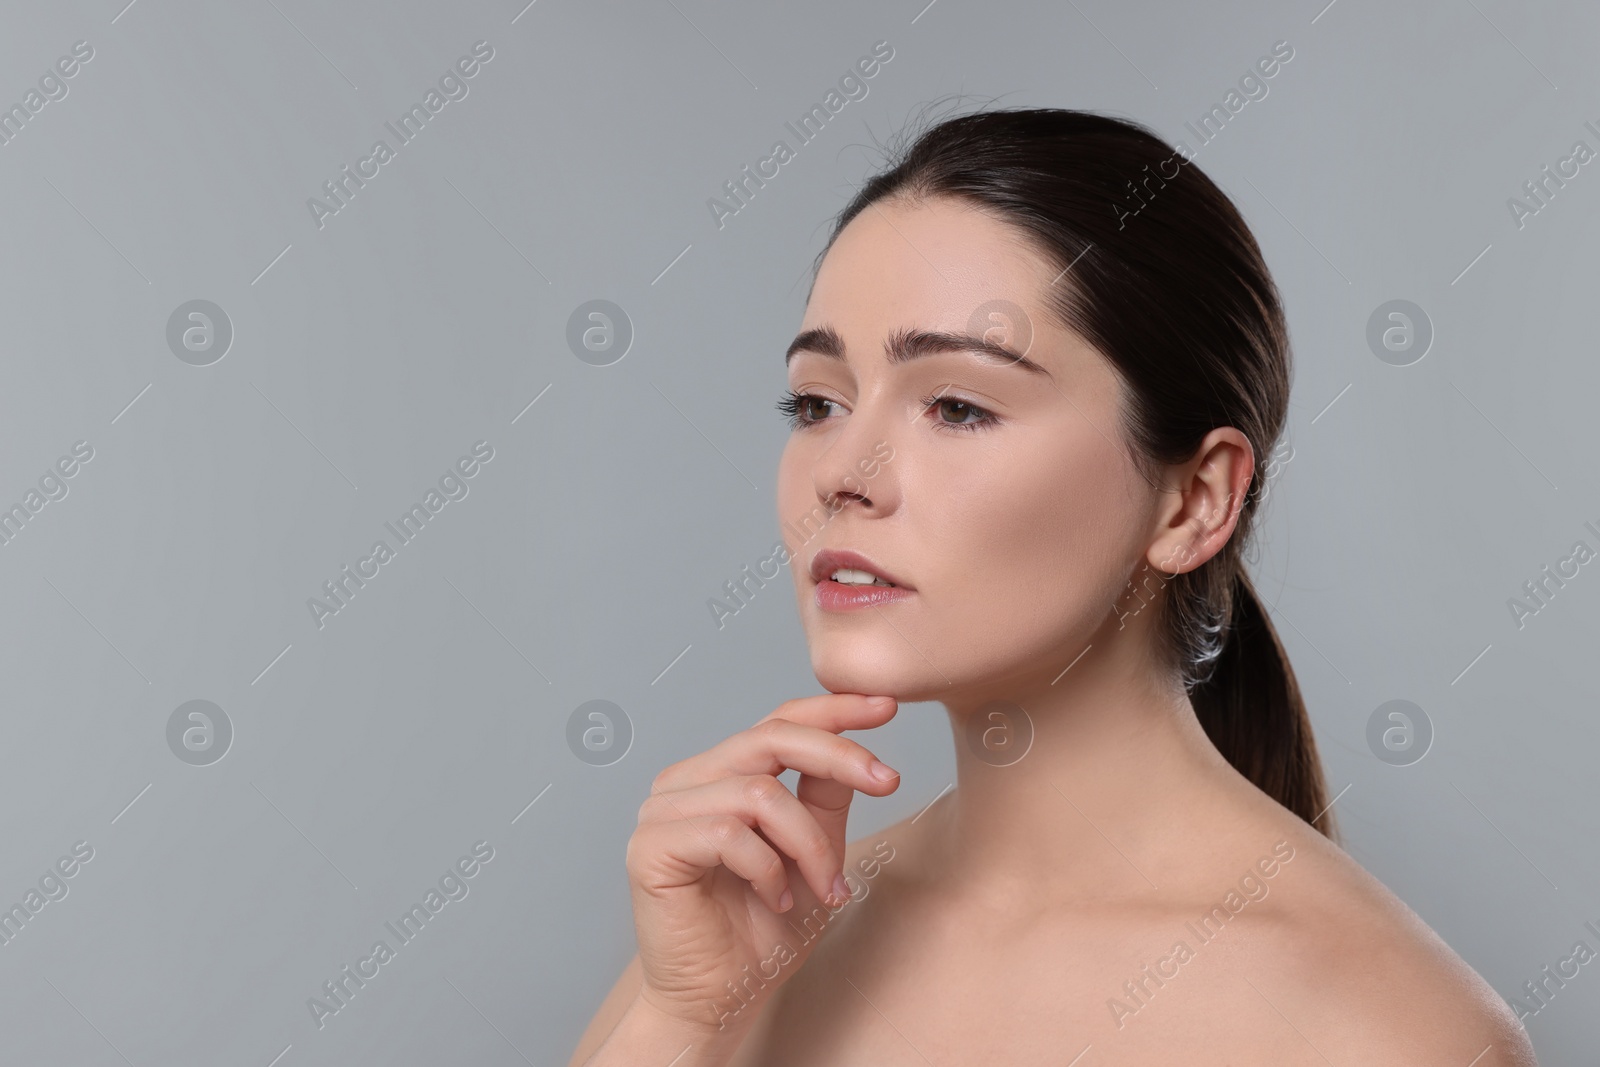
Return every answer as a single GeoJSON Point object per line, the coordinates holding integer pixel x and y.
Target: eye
{"type": "Point", "coordinates": [802, 410]}
{"type": "Point", "coordinates": [961, 409]}
{"type": "Point", "coordinates": [799, 407]}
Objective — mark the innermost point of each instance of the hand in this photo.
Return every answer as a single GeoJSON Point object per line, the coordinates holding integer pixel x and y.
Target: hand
{"type": "Point", "coordinates": [723, 849]}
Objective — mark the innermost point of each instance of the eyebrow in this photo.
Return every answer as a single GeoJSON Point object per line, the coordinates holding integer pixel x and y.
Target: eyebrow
{"type": "Point", "coordinates": [905, 345]}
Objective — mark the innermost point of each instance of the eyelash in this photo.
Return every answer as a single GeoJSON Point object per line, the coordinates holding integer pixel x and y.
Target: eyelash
{"type": "Point", "coordinates": [793, 403]}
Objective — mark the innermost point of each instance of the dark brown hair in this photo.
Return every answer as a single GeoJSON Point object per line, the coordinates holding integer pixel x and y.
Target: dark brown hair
{"type": "Point", "coordinates": [1160, 274]}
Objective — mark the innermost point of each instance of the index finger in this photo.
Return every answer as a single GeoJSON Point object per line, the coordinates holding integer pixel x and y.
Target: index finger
{"type": "Point", "coordinates": [837, 712]}
{"type": "Point", "coordinates": [827, 799]}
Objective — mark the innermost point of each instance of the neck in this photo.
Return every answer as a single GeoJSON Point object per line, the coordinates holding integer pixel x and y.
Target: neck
{"type": "Point", "coordinates": [1108, 799]}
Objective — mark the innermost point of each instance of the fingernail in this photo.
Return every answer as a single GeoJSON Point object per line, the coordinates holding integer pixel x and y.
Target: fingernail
{"type": "Point", "coordinates": [785, 900]}
{"type": "Point", "coordinates": [881, 702]}
{"type": "Point", "coordinates": [841, 890]}
{"type": "Point", "coordinates": [883, 772]}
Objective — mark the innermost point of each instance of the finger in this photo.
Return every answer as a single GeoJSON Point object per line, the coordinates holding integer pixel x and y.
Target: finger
{"type": "Point", "coordinates": [827, 801]}
{"type": "Point", "coordinates": [837, 711]}
{"type": "Point", "coordinates": [775, 745]}
{"type": "Point", "coordinates": [666, 856]}
{"type": "Point", "coordinates": [828, 797]}
{"type": "Point", "coordinates": [763, 803]}
{"type": "Point", "coordinates": [832, 769]}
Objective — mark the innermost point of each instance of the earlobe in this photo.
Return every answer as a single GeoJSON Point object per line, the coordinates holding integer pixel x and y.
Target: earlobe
{"type": "Point", "coordinates": [1172, 561]}
{"type": "Point", "coordinates": [1185, 553]}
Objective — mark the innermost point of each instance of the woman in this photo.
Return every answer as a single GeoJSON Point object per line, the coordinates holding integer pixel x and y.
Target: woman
{"type": "Point", "coordinates": [1039, 367]}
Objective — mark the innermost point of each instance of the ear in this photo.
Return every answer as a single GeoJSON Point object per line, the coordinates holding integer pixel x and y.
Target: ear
{"type": "Point", "coordinates": [1202, 503]}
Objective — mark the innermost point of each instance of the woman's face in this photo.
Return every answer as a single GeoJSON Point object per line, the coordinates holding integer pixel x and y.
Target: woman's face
{"type": "Point", "coordinates": [1007, 505]}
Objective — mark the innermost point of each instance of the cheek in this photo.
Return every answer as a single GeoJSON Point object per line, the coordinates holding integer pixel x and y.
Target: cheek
{"type": "Point", "coordinates": [1045, 538]}
{"type": "Point", "coordinates": [802, 518]}
{"type": "Point", "coordinates": [794, 493]}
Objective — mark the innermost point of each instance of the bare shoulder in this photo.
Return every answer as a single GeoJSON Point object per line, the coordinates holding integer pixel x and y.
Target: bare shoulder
{"type": "Point", "coordinates": [1349, 961]}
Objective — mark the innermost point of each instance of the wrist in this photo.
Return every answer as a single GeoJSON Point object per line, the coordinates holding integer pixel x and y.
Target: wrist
{"type": "Point", "coordinates": [675, 1018]}
{"type": "Point", "coordinates": [651, 1031]}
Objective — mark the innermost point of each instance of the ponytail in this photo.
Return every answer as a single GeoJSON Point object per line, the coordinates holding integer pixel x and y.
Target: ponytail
{"type": "Point", "coordinates": [1251, 709]}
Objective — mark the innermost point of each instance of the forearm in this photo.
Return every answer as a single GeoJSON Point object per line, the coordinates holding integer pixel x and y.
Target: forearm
{"type": "Point", "coordinates": [648, 1037]}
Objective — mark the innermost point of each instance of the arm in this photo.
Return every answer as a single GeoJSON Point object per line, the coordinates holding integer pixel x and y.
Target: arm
{"type": "Point", "coordinates": [627, 1031]}
{"type": "Point", "coordinates": [609, 1014]}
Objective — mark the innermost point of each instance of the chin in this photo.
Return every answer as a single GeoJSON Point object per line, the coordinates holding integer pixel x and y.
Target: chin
{"type": "Point", "coordinates": [855, 671]}
{"type": "Point", "coordinates": [874, 673]}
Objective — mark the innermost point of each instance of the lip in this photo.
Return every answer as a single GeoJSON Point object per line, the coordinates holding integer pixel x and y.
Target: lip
{"type": "Point", "coordinates": [825, 562]}
{"type": "Point", "coordinates": [835, 596]}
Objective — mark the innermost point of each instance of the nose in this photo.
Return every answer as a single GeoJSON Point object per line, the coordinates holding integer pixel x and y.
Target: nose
{"type": "Point", "coordinates": [853, 466]}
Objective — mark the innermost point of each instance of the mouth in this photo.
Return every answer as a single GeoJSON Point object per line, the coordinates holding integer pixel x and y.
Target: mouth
{"type": "Point", "coordinates": [851, 569]}
{"type": "Point", "coordinates": [848, 581]}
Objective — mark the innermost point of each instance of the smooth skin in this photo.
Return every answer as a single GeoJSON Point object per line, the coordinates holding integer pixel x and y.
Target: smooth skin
{"type": "Point", "coordinates": [1013, 912]}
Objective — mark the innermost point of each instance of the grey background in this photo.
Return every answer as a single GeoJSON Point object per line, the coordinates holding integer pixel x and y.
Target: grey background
{"type": "Point", "coordinates": [427, 314]}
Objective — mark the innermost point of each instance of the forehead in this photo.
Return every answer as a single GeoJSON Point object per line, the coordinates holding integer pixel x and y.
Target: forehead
{"type": "Point", "coordinates": [936, 262]}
